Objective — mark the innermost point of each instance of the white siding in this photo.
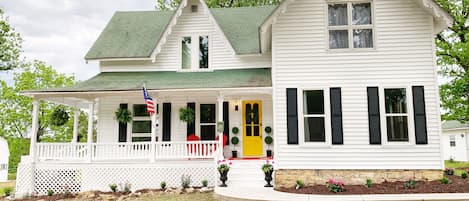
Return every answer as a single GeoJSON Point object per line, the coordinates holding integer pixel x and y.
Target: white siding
{"type": "Point", "coordinates": [221, 55]}
{"type": "Point", "coordinates": [108, 126]}
{"type": "Point", "coordinates": [403, 56]}
{"type": "Point", "coordinates": [460, 151]}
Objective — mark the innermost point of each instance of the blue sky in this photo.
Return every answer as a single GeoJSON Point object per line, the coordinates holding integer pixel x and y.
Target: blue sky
{"type": "Point", "coordinates": [60, 32]}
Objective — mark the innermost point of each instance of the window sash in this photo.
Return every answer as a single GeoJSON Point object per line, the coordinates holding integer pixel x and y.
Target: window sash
{"type": "Point", "coordinates": [351, 27]}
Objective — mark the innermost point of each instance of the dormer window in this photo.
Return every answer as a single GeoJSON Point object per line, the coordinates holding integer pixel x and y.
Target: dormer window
{"type": "Point", "coordinates": [195, 52]}
{"type": "Point", "coordinates": [350, 25]}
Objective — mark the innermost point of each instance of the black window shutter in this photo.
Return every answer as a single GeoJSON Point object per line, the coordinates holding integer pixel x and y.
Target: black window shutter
{"type": "Point", "coordinates": [374, 122]}
{"type": "Point", "coordinates": [123, 126]}
{"type": "Point", "coordinates": [336, 116]}
{"type": "Point", "coordinates": [420, 116]}
{"type": "Point", "coordinates": [292, 116]}
{"type": "Point", "coordinates": [191, 126]}
{"type": "Point", "coordinates": [166, 121]}
{"type": "Point", "coordinates": [226, 121]}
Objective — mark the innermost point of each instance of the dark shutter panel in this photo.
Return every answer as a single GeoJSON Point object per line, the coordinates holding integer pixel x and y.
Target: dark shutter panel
{"type": "Point", "coordinates": [292, 116]}
{"type": "Point", "coordinates": [123, 126]}
{"type": "Point", "coordinates": [226, 121]}
{"type": "Point", "coordinates": [420, 116]}
{"type": "Point", "coordinates": [374, 122]}
{"type": "Point", "coordinates": [166, 121]}
{"type": "Point", "coordinates": [336, 116]}
{"type": "Point", "coordinates": [191, 126]}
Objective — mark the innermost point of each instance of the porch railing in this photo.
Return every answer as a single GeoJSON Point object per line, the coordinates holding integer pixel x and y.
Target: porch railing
{"type": "Point", "coordinates": [126, 151]}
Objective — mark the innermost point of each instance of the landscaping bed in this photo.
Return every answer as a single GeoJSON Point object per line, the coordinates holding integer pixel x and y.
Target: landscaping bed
{"type": "Point", "coordinates": [456, 185]}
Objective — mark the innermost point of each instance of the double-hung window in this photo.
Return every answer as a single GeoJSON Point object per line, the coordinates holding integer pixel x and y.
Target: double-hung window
{"type": "Point", "coordinates": [314, 116]}
{"type": "Point", "coordinates": [195, 52]}
{"type": "Point", "coordinates": [396, 115]}
{"type": "Point", "coordinates": [452, 141]}
{"type": "Point", "coordinates": [350, 25]}
{"type": "Point", "coordinates": [207, 122]}
{"type": "Point", "coordinates": [141, 124]}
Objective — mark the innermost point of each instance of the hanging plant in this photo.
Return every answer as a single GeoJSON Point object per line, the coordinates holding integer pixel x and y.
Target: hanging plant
{"type": "Point", "coordinates": [187, 114]}
{"type": "Point", "coordinates": [59, 116]}
{"type": "Point", "coordinates": [268, 140]}
{"type": "Point", "coordinates": [235, 130]}
{"type": "Point", "coordinates": [123, 115]}
{"type": "Point", "coordinates": [268, 129]}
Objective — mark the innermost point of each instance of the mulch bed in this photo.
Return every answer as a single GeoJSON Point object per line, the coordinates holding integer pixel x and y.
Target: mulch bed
{"type": "Point", "coordinates": [456, 185]}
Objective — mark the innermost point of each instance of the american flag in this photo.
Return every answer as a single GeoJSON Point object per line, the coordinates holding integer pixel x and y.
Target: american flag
{"type": "Point", "coordinates": [148, 101]}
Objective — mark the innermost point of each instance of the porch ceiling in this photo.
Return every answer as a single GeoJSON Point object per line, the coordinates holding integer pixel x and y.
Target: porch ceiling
{"type": "Point", "coordinates": [168, 80]}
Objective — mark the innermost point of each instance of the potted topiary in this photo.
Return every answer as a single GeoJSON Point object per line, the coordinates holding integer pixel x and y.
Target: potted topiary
{"type": "Point", "coordinates": [123, 115]}
{"type": "Point", "coordinates": [268, 140]}
{"type": "Point", "coordinates": [187, 114]}
{"type": "Point", "coordinates": [234, 141]}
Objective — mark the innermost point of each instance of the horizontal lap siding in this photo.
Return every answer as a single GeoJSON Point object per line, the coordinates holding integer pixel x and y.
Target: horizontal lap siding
{"type": "Point", "coordinates": [221, 56]}
{"type": "Point", "coordinates": [403, 56]}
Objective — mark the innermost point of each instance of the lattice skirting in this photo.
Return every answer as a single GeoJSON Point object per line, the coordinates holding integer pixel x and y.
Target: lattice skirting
{"type": "Point", "coordinates": [84, 177]}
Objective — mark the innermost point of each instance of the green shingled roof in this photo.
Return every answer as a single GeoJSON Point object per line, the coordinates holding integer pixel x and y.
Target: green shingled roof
{"type": "Point", "coordinates": [130, 35]}
{"type": "Point", "coordinates": [163, 80]}
{"type": "Point", "coordinates": [454, 125]}
{"type": "Point", "coordinates": [136, 34]}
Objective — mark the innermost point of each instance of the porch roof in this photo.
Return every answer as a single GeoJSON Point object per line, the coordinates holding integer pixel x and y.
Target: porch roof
{"type": "Point", "coordinates": [166, 80]}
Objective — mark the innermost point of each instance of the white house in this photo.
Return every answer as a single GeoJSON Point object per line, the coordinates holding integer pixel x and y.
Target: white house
{"type": "Point", "coordinates": [4, 155]}
{"type": "Point", "coordinates": [455, 140]}
{"type": "Point", "coordinates": [349, 88]}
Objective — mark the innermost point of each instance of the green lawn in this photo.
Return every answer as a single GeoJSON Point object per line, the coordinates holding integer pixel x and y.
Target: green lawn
{"type": "Point", "coordinates": [4, 185]}
{"type": "Point", "coordinates": [459, 167]}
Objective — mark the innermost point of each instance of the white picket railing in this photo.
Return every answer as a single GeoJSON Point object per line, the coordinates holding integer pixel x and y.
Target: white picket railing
{"type": "Point", "coordinates": [62, 151]}
{"type": "Point", "coordinates": [127, 151]}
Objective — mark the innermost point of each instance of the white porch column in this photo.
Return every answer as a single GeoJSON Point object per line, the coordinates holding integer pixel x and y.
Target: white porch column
{"type": "Point", "coordinates": [76, 117]}
{"type": "Point", "coordinates": [220, 119]}
{"type": "Point", "coordinates": [89, 141]}
{"type": "Point", "coordinates": [154, 123]}
{"type": "Point", "coordinates": [34, 127]}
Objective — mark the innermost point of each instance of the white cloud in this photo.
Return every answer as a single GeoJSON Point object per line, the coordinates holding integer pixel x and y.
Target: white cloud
{"type": "Point", "coordinates": [60, 32]}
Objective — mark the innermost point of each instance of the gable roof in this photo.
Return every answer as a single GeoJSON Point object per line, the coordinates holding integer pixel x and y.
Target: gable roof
{"type": "Point", "coordinates": [453, 124]}
{"type": "Point", "coordinates": [136, 34]}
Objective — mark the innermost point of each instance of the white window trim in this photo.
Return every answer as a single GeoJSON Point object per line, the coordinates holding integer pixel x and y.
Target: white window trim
{"type": "Point", "coordinates": [130, 134]}
{"type": "Point", "coordinates": [197, 117]}
{"type": "Point", "coordinates": [350, 27]}
{"type": "Point", "coordinates": [326, 115]}
{"type": "Point", "coordinates": [410, 115]}
{"type": "Point", "coordinates": [195, 66]}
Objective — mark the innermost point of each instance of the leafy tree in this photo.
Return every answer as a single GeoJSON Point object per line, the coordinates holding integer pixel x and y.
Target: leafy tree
{"type": "Point", "coordinates": [10, 44]}
{"type": "Point", "coordinates": [36, 75]}
{"type": "Point", "coordinates": [172, 4]}
{"type": "Point", "coordinates": [453, 59]}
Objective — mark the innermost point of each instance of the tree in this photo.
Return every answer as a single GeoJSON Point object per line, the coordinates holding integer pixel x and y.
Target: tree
{"type": "Point", "coordinates": [172, 4]}
{"type": "Point", "coordinates": [35, 75]}
{"type": "Point", "coordinates": [10, 44]}
{"type": "Point", "coordinates": [453, 60]}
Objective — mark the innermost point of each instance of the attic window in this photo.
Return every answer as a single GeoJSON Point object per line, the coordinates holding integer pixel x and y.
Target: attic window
{"type": "Point", "coordinates": [194, 8]}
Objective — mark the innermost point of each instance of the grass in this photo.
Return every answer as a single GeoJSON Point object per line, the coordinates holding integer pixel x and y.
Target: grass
{"type": "Point", "coordinates": [4, 185]}
{"type": "Point", "coordinates": [182, 197]}
{"type": "Point", "coordinates": [459, 167]}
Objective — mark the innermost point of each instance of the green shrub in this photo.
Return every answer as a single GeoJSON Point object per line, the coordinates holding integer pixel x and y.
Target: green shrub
{"type": "Point", "coordinates": [369, 183]}
{"type": "Point", "coordinates": [163, 185]}
{"type": "Point", "coordinates": [7, 191]}
{"type": "Point", "coordinates": [50, 192]}
{"type": "Point", "coordinates": [204, 183]}
{"type": "Point", "coordinates": [444, 180]}
{"type": "Point", "coordinates": [299, 184]}
{"type": "Point", "coordinates": [410, 184]}
{"type": "Point", "coordinates": [113, 187]}
{"type": "Point", "coordinates": [464, 175]}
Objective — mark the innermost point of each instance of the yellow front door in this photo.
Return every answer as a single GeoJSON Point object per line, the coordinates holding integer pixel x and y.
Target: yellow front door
{"type": "Point", "coordinates": [252, 128]}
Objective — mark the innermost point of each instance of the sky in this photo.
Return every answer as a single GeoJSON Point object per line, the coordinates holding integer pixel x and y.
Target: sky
{"type": "Point", "coordinates": [60, 32]}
